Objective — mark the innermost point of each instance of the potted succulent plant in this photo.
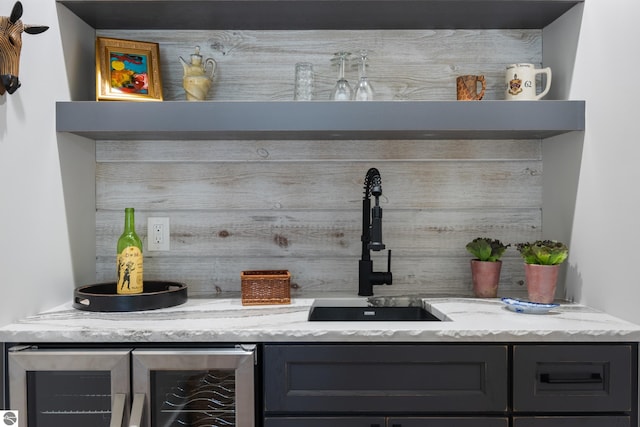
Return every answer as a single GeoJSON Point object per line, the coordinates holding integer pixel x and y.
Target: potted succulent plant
{"type": "Point", "coordinates": [486, 266]}
{"type": "Point", "coordinates": [542, 260]}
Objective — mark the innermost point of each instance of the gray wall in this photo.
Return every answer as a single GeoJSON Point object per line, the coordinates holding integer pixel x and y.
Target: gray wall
{"type": "Point", "coordinates": [237, 205]}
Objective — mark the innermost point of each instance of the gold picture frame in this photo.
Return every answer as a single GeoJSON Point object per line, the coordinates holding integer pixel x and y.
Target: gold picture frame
{"type": "Point", "coordinates": [127, 70]}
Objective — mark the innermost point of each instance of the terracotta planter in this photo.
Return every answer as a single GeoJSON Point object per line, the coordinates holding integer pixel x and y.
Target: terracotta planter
{"type": "Point", "coordinates": [541, 282]}
{"type": "Point", "coordinates": [485, 276]}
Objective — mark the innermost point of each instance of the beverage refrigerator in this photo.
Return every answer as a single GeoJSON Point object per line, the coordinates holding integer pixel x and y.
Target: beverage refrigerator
{"type": "Point", "coordinates": [141, 387]}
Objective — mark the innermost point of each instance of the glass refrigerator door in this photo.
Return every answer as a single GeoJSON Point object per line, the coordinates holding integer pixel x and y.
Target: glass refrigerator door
{"type": "Point", "coordinates": [68, 387]}
{"type": "Point", "coordinates": [194, 388]}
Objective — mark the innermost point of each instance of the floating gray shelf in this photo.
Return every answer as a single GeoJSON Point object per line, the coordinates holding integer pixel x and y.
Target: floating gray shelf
{"type": "Point", "coordinates": [320, 119]}
{"type": "Point", "coordinates": [318, 14]}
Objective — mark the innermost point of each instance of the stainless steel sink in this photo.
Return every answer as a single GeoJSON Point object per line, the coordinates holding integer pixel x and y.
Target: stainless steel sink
{"type": "Point", "coordinates": [370, 309]}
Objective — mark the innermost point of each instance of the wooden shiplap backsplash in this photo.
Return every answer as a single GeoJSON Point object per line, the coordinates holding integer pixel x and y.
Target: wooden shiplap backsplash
{"type": "Point", "coordinates": [296, 205]}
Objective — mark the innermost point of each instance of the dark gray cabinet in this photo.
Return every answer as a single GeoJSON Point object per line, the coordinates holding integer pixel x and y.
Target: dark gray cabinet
{"type": "Point", "coordinates": [575, 421]}
{"type": "Point", "coordinates": [448, 422]}
{"type": "Point", "coordinates": [449, 385]}
{"type": "Point", "coordinates": [388, 422]}
{"type": "Point", "coordinates": [574, 378]}
{"type": "Point", "coordinates": [385, 379]}
{"type": "Point", "coordinates": [553, 381]}
{"type": "Point", "coordinates": [324, 422]}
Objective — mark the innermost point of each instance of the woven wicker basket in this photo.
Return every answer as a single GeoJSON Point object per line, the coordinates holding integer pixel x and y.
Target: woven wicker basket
{"type": "Point", "coordinates": [266, 287]}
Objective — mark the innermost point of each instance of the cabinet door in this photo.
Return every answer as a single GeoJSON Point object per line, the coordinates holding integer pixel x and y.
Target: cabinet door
{"type": "Point", "coordinates": [585, 421]}
{"type": "Point", "coordinates": [194, 387]}
{"type": "Point", "coordinates": [574, 378]}
{"type": "Point", "coordinates": [324, 422]}
{"type": "Point", "coordinates": [448, 422]}
{"type": "Point", "coordinates": [69, 387]}
{"type": "Point", "coordinates": [387, 379]}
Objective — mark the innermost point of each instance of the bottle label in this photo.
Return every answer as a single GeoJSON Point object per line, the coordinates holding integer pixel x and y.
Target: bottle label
{"type": "Point", "coordinates": [129, 263]}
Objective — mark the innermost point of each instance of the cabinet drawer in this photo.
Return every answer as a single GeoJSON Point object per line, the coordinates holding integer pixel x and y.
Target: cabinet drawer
{"type": "Point", "coordinates": [324, 422]}
{"type": "Point", "coordinates": [381, 422]}
{"type": "Point", "coordinates": [566, 378]}
{"type": "Point", "coordinates": [447, 422]}
{"type": "Point", "coordinates": [385, 379]}
{"type": "Point", "coordinates": [589, 421]}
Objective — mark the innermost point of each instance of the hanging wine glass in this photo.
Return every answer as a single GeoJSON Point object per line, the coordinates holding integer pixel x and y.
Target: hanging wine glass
{"type": "Point", "coordinates": [342, 90]}
{"type": "Point", "coordinates": [364, 90]}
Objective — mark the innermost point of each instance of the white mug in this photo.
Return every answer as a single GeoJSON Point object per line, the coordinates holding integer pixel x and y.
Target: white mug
{"type": "Point", "coordinates": [521, 82]}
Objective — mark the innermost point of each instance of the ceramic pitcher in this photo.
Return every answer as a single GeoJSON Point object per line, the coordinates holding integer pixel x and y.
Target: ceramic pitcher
{"type": "Point", "coordinates": [197, 77]}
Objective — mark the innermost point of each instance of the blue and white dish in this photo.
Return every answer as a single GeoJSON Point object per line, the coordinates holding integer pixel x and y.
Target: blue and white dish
{"type": "Point", "coordinates": [528, 307]}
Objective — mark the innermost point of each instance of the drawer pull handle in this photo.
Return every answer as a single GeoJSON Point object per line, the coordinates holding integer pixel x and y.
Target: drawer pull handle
{"type": "Point", "coordinates": [592, 378]}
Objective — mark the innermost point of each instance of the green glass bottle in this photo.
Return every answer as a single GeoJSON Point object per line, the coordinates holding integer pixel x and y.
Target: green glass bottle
{"type": "Point", "coordinates": [129, 257]}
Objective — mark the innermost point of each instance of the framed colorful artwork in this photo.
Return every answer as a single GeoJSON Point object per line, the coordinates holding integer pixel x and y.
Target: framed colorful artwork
{"type": "Point", "coordinates": [127, 70]}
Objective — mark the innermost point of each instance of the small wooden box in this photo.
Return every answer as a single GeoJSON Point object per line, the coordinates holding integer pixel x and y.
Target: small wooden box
{"type": "Point", "coordinates": [266, 287]}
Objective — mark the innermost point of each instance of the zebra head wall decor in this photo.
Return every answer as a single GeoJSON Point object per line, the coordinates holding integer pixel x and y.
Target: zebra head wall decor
{"type": "Point", "coordinates": [11, 29]}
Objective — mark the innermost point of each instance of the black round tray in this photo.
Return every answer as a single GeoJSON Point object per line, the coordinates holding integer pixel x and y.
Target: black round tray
{"type": "Point", "coordinates": [103, 297]}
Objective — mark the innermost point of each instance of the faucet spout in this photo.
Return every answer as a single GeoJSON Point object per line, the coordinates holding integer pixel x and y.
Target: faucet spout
{"type": "Point", "coordinates": [372, 236]}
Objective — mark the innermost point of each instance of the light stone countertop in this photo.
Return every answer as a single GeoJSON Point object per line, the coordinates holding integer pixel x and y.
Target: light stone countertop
{"type": "Point", "coordinates": [223, 319]}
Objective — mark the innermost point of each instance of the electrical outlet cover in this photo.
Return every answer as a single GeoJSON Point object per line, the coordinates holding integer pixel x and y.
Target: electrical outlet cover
{"type": "Point", "coordinates": [158, 234]}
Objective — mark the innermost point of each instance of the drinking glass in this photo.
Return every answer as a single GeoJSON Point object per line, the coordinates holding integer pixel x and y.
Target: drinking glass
{"type": "Point", "coordinates": [304, 82]}
{"type": "Point", "coordinates": [364, 90]}
{"type": "Point", "coordinates": [342, 90]}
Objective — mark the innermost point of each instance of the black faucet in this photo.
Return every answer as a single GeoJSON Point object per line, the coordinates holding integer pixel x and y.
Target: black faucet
{"type": "Point", "coordinates": [372, 237]}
